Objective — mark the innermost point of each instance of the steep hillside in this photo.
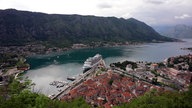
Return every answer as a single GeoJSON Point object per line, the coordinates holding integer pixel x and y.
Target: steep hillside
{"type": "Point", "coordinates": [178, 31]}
{"type": "Point", "coordinates": [23, 27]}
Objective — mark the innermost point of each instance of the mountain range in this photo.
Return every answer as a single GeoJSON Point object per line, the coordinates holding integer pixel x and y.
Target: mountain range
{"type": "Point", "coordinates": [177, 31]}
{"type": "Point", "coordinates": [24, 27]}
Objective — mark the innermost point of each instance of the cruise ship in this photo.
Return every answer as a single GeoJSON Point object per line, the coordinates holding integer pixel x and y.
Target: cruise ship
{"type": "Point", "coordinates": [91, 62]}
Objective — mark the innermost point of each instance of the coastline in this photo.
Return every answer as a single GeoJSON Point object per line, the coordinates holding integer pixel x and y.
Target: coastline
{"type": "Point", "coordinates": [60, 51]}
{"type": "Point", "coordinates": [42, 50]}
{"type": "Point", "coordinates": [100, 45]}
{"type": "Point", "coordinates": [65, 50]}
{"type": "Point", "coordinates": [65, 63]}
{"type": "Point", "coordinates": [90, 47]}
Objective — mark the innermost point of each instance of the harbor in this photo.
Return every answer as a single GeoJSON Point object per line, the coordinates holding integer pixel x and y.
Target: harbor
{"type": "Point", "coordinates": [59, 84]}
{"type": "Point", "coordinates": [80, 79]}
{"type": "Point", "coordinates": [43, 70]}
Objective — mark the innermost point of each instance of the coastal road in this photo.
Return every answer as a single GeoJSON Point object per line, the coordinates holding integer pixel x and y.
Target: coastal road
{"type": "Point", "coordinates": [78, 81]}
{"type": "Point", "coordinates": [74, 84]}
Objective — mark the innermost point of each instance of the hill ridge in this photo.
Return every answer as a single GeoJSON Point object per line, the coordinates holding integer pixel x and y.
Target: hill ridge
{"type": "Point", "coordinates": [23, 27]}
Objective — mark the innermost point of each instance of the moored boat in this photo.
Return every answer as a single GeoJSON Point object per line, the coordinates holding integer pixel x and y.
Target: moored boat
{"type": "Point", "coordinates": [91, 62]}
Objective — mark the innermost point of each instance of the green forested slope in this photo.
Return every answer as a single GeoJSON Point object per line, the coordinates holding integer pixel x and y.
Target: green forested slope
{"type": "Point", "coordinates": [22, 27]}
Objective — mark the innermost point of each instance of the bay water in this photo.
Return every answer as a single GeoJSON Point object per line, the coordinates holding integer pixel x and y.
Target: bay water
{"type": "Point", "coordinates": [57, 67]}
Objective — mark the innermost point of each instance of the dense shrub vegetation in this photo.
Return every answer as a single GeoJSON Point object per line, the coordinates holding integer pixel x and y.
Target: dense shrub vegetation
{"type": "Point", "coordinates": [156, 99]}
{"type": "Point", "coordinates": [124, 64]}
{"type": "Point", "coordinates": [15, 95]}
{"type": "Point", "coordinates": [22, 27]}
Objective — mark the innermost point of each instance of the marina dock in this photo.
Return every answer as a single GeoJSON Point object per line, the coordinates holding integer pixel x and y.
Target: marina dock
{"type": "Point", "coordinates": [78, 81]}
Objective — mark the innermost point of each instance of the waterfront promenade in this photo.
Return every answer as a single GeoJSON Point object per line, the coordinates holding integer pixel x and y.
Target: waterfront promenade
{"type": "Point", "coordinates": [79, 80]}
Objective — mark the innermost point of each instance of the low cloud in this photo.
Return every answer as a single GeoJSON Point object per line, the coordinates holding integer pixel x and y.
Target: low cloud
{"type": "Point", "coordinates": [104, 6]}
{"type": "Point", "coordinates": [156, 2]}
{"type": "Point", "coordinates": [184, 16]}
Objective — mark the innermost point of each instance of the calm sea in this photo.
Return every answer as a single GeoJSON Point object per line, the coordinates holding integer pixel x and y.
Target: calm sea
{"type": "Point", "coordinates": [45, 69]}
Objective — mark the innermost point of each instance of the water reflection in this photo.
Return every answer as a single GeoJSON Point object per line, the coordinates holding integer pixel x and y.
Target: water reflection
{"type": "Point", "coordinates": [43, 76]}
{"type": "Point", "coordinates": [45, 69]}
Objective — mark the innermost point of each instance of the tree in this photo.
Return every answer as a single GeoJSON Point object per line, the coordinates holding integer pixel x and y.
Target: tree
{"type": "Point", "coordinates": [155, 99]}
{"type": "Point", "coordinates": [110, 82]}
{"type": "Point", "coordinates": [154, 81]}
{"type": "Point", "coordinates": [16, 95]}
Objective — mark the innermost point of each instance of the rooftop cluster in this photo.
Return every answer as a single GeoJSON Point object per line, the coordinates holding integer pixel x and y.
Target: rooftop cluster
{"type": "Point", "coordinates": [109, 89]}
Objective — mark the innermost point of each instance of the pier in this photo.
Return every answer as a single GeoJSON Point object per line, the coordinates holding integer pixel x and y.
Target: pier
{"type": "Point", "coordinates": [79, 80]}
{"type": "Point", "coordinates": [59, 84]}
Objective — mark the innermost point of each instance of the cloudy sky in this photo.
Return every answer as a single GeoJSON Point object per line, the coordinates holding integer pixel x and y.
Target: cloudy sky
{"type": "Point", "coordinates": [152, 12]}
